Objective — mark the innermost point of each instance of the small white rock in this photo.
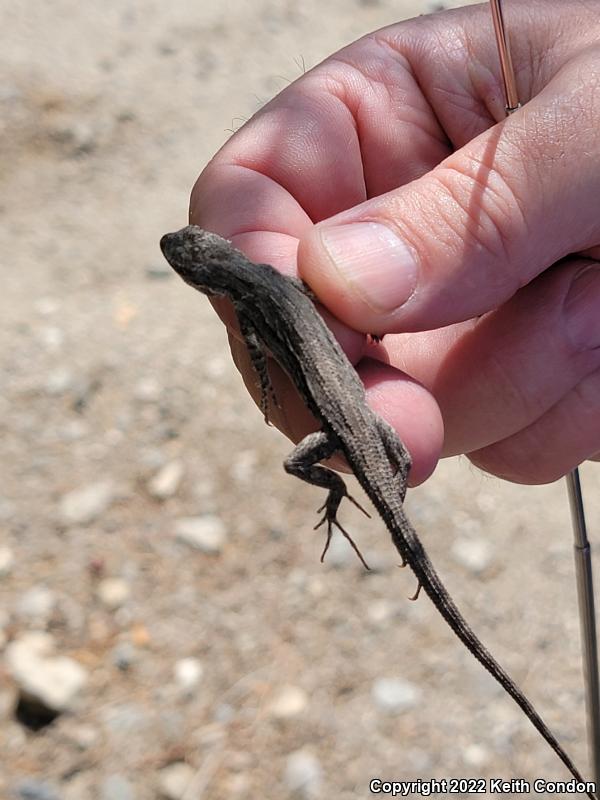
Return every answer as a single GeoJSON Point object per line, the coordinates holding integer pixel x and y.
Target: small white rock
{"type": "Point", "coordinates": [188, 673]}
{"type": "Point", "coordinates": [53, 681]}
{"type": "Point", "coordinates": [86, 504]}
{"type": "Point", "coordinates": [7, 560]}
{"type": "Point", "coordinates": [395, 695]}
{"type": "Point", "coordinates": [37, 604]}
{"type": "Point", "coordinates": [288, 702]}
{"type": "Point", "coordinates": [59, 381]}
{"type": "Point", "coordinates": [207, 533]}
{"type": "Point", "coordinates": [113, 592]}
{"type": "Point", "coordinates": [303, 774]}
{"type": "Point", "coordinates": [476, 756]}
{"type": "Point", "coordinates": [51, 337]}
{"type": "Point", "coordinates": [166, 481]}
{"type": "Point", "coordinates": [175, 779]}
{"type": "Point", "coordinates": [474, 554]}
{"type": "Point", "coordinates": [147, 390]}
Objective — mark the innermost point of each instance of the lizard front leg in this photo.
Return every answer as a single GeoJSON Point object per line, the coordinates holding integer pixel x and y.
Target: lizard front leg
{"type": "Point", "coordinates": [303, 463]}
{"type": "Point", "coordinates": [259, 362]}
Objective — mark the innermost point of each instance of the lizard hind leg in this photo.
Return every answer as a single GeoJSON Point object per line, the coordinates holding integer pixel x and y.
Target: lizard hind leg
{"type": "Point", "coordinates": [397, 453]}
{"type": "Point", "coordinates": [302, 462]}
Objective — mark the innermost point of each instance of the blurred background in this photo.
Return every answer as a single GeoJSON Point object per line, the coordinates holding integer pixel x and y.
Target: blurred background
{"type": "Point", "coordinates": [166, 628]}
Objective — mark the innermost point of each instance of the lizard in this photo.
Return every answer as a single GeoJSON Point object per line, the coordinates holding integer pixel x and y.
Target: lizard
{"type": "Point", "coordinates": [277, 317]}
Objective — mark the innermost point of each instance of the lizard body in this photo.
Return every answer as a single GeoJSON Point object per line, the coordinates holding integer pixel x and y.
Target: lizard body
{"type": "Point", "coordinates": [277, 316]}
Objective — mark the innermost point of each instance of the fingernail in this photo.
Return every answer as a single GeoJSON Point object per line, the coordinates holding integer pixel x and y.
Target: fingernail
{"type": "Point", "coordinates": [378, 265]}
{"type": "Point", "coordinates": [582, 307]}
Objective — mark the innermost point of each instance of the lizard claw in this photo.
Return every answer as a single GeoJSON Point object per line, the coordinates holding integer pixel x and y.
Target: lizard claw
{"type": "Point", "coordinates": [416, 594]}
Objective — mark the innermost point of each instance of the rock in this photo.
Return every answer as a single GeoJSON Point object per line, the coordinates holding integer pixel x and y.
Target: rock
{"type": "Point", "coordinates": [81, 735]}
{"type": "Point", "coordinates": [51, 681]}
{"type": "Point", "coordinates": [113, 592]}
{"type": "Point", "coordinates": [303, 774]}
{"type": "Point", "coordinates": [147, 390]}
{"type": "Point", "coordinates": [7, 561]}
{"type": "Point", "coordinates": [84, 505]}
{"type": "Point", "coordinates": [116, 787]}
{"type": "Point", "coordinates": [51, 337]}
{"type": "Point", "coordinates": [127, 718]}
{"type": "Point", "coordinates": [32, 789]}
{"type": "Point", "coordinates": [166, 481]}
{"type": "Point", "coordinates": [474, 554]}
{"type": "Point", "coordinates": [380, 611]}
{"type": "Point", "coordinates": [395, 695]}
{"type": "Point", "coordinates": [124, 656]}
{"type": "Point", "coordinates": [59, 381]}
{"type": "Point", "coordinates": [175, 779]}
{"type": "Point", "coordinates": [37, 604]}
{"type": "Point", "coordinates": [288, 702]}
{"type": "Point", "coordinates": [476, 756]}
{"type": "Point", "coordinates": [188, 673]}
{"type": "Point", "coordinates": [206, 533]}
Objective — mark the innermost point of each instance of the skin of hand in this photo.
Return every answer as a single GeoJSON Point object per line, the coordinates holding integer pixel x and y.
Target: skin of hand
{"type": "Point", "coordinates": [390, 180]}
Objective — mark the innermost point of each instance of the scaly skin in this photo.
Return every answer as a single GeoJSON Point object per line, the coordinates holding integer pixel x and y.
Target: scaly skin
{"type": "Point", "coordinates": [277, 315]}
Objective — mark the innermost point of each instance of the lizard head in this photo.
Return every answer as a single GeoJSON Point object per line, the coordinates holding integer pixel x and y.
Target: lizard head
{"type": "Point", "coordinates": [196, 256]}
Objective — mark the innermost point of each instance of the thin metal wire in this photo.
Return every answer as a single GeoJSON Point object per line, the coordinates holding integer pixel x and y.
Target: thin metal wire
{"type": "Point", "coordinates": [587, 619]}
{"type": "Point", "coordinates": [583, 557]}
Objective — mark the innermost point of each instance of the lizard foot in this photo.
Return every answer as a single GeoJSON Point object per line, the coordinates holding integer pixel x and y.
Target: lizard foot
{"type": "Point", "coordinates": [331, 521]}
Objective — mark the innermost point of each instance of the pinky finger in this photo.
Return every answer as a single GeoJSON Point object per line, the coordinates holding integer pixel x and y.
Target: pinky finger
{"type": "Point", "coordinates": [559, 440]}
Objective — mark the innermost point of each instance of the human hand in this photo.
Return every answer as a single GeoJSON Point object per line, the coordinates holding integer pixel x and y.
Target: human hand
{"type": "Point", "coordinates": [468, 239]}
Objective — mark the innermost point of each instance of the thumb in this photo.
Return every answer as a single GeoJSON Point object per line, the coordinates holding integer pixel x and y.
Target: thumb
{"type": "Point", "coordinates": [466, 236]}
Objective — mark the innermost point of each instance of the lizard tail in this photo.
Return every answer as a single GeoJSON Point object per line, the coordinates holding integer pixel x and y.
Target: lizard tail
{"type": "Point", "coordinates": [411, 549]}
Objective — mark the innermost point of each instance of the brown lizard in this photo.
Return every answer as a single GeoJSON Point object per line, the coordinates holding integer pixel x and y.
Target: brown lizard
{"type": "Point", "coordinates": [277, 316]}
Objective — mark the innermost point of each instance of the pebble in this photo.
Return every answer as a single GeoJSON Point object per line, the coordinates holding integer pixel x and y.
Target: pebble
{"type": "Point", "coordinates": [113, 592]}
{"type": "Point", "coordinates": [124, 655]}
{"type": "Point", "coordinates": [147, 390]}
{"type": "Point", "coordinates": [206, 533]}
{"type": "Point", "coordinates": [303, 774]}
{"type": "Point", "coordinates": [82, 736]}
{"type": "Point", "coordinates": [290, 701]}
{"type": "Point", "coordinates": [84, 505]}
{"type": "Point", "coordinates": [31, 789]}
{"type": "Point", "coordinates": [167, 480]}
{"type": "Point", "coordinates": [128, 718]}
{"type": "Point", "coordinates": [188, 673]}
{"type": "Point", "coordinates": [51, 337]}
{"type": "Point", "coordinates": [475, 755]}
{"type": "Point", "coordinates": [395, 695]}
{"type": "Point", "coordinates": [116, 787]}
{"type": "Point", "coordinates": [37, 604]}
{"type": "Point", "coordinates": [59, 381]}
{"type": "Point", "coordinates": [7, 561]}
{"type": "Point", "coordinates": [175, 779]}
{"type": "Point", "coordinates": [51, 680]}
{"type": "Point", "coordinates": [473, 554]}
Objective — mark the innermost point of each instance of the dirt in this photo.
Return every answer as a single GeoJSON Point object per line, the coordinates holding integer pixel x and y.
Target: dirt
{"type": "Point", "coordinates": [112, 368]}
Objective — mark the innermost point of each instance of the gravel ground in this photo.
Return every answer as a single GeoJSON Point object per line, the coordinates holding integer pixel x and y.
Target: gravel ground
{"type": "Point", "coordinates": [161, 628]}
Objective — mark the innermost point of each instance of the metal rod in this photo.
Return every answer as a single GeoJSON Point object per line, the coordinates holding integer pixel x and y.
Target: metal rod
{"type": "Point", "coordinates": [587, 620]}
{"type": "Point", "coordinates": [506, 66]}
{"type": "Point", "coordinates": [583, 557]}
